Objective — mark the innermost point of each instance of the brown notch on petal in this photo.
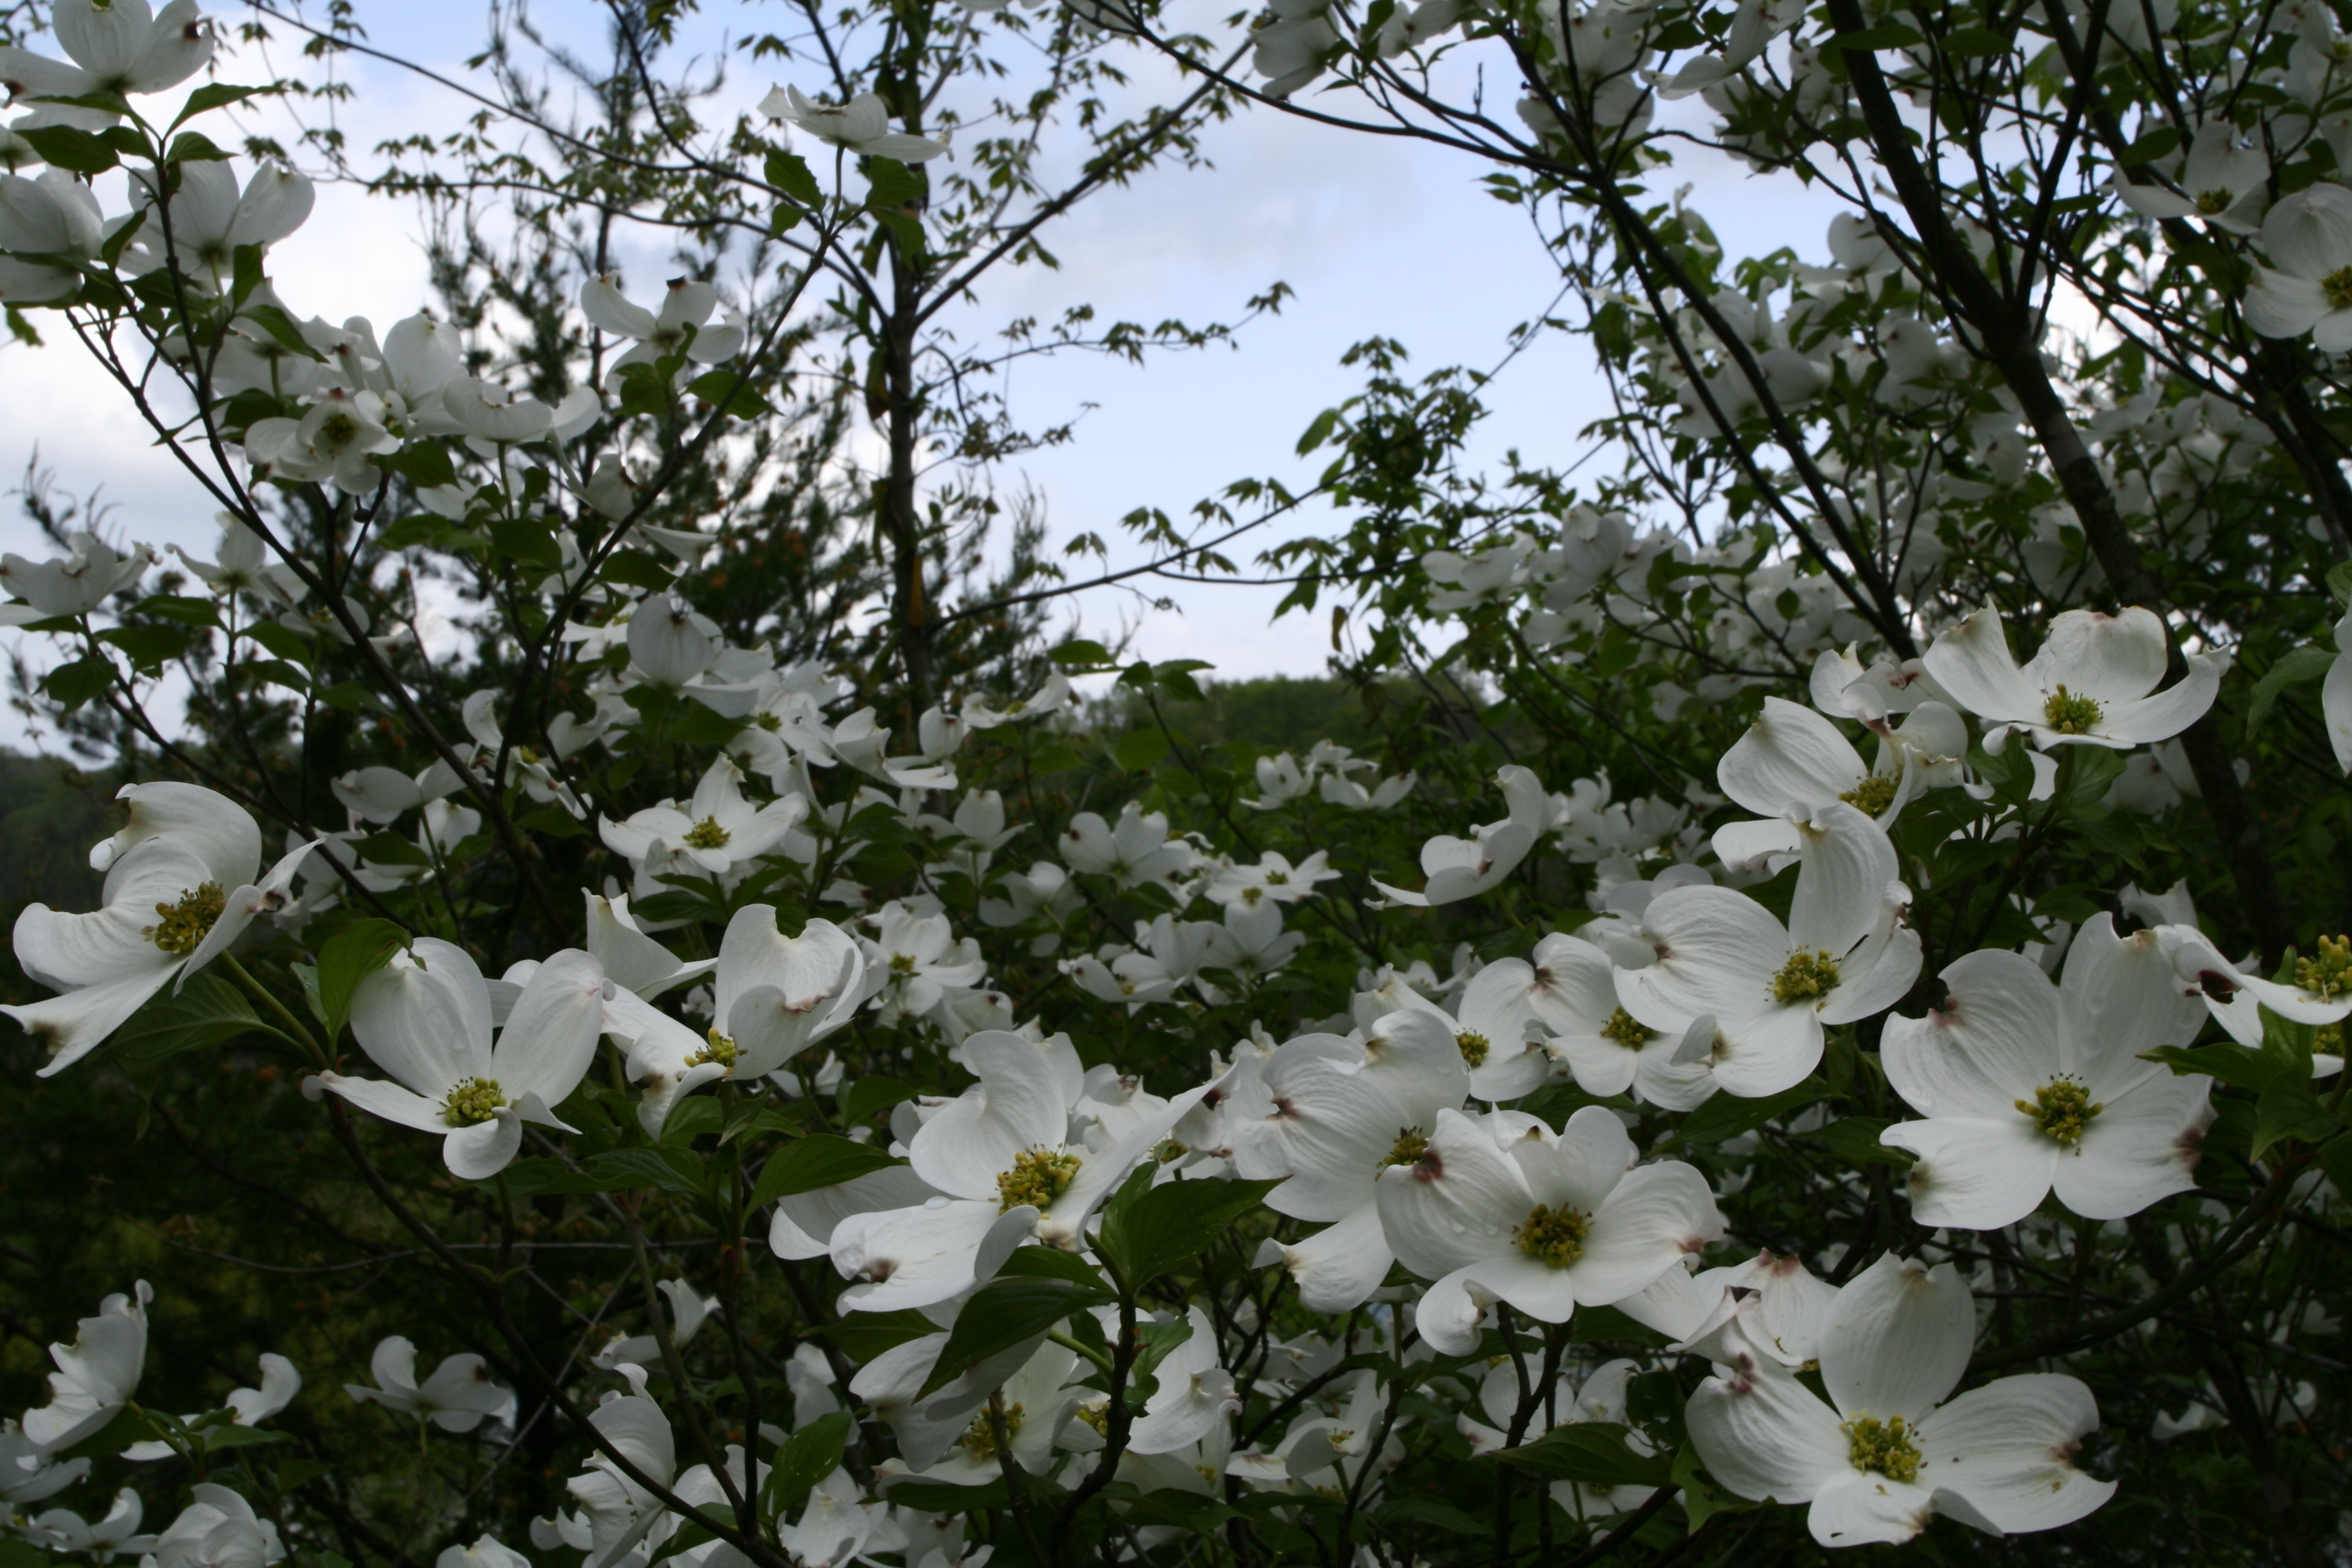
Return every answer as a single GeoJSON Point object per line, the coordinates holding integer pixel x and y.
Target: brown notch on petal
{"type": "Point", "coordinates": [2216, 985]}
{"type": "Point", "coordinates": [1430, 1167]}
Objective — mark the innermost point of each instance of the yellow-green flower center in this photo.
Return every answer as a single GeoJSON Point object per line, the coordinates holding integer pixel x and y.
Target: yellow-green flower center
{"type": "Point", "coordinates": [1884, 1447]}
{"type": "Point", "coordinates": [2329, 973]}
{"type": "Point", "coordinates": [768, 721]}
{"type": "Point", "coordinates": [1805, 977]}
{"type": "Point", "coordinates": [474, 1101]}
{"type": "Point", "coordinates": [1627, 1030]}
{"type": "Point", "coordinates": [1251, 896]}
{"type": "Point", "coordinates": [980, 1439]}
{"type": "Point", "coordinates": [706, 834]}
{"type": "Point", "coordinates": [2069, 714]}
{"type": "Point", "coordinates": [2338, 287]}
{"type": "Point", "coordinates": [1168, 1150]}
{"type": "Point", "coordinates": [1411, 1145]}
{"type": "Point", "coordinates": [184, 924]}
{"type": "Point", "coordinates": [722, 1049]}
{"type": "Point", "coordinates": [2214, 203]}
{"type": "Point", "coordinates": [1276, 879]}
{"type": "Point", "coordinates": [338, 429]}
{"type": "Point", "coordinates": [2062, 1108]}
{"type": "Point", "coordinates": [1038, 1176]}
{"type": "Point", "coordinates": [902, 963]}
{"type": "Point", "coordinates": [1473, 1046]}
{"type": "Point", "coordinates": [1097, 1417]}
{"type": "Point", "coordinates": [1554, 1235]}
{"type": "Point", "coordinates": [1871, 795]}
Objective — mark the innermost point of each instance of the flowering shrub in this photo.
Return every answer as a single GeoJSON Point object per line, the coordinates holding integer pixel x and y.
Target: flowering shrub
{"type": "Point", "coordinates": [905, 1111]}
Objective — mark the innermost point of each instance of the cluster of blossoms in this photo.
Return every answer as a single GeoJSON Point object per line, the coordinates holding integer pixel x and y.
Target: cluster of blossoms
{"type": "Point", "coordinates": [1021, 1256]}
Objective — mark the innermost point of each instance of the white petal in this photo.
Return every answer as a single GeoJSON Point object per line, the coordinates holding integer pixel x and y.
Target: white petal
{"type": "Point", "coordinates": [1339, 1267]}
{"type": "Point", "coordinates": [1995, 1039]}
{"type": "Point", "coordinates": [1978, 1173]}
{"type": "Point", "coordinates": [550, 1038]}
{"type": "Point", "coordinates": [1764, 1435]}
{"type": "Point", "coordinates": [1455, 1205]}
{"type": "Point", "coordinates": [2007, 1448]}
{"type": "Point", "coordinates": [1658, 1216]}
{"type": "Point", "coordinates": [2142, 1146]}
{"type": "Point", "coordinates": [1861, 1508]}
{"type": "Point", "coordinates": [1898, 1340]}
{"type": "Point", "coordinates": [1973, 663]}
{"type": "Point", "coordinates": [476, 1154]}
{"type": "Point", "coordinates": [1791, 760]}
{"type": "Point", "coordinates": [1841, 881]}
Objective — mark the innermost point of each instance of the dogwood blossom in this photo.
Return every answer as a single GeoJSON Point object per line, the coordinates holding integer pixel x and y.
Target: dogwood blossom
{"type": "Point", "coordinates": [2027, 1086]}
{"type": "Point", "coordinates": [1890, 1447]}
{"type": "Point", "coordinates": [2093, 681]}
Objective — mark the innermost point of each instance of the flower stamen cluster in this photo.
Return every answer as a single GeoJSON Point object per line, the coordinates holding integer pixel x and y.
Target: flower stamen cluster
{"type": "Point", "coordinates": [1884, 1447]}
{"type": "Point", "coordinates": [474, 1101]}
{"type": "Point", "coordinates": [980, 1439]}
{"type": "Point", "coordinates": [1553, 1236]}
{"type": "Point", "coordinates": [706, 834]}
{"type": "Point", "coordinates": [2062, 1108]}
{"type": "Point", "coordinates": [2328, 973]}
{"type": "Point", "coordinates": [184, 924]}
{"type": "Point", "coordinates": [1411, 1145]}
{"type": "Point", "coordinates": [1627, 1030]}
{"type": "Point", "coordinates": [1473, 1046]}
{"type": "Point", "coordinates": [721, 1050]}
{"type": "Point", "coordinates": [1872, 796]}
{"type": "Point", "coordinates": [1805, 977]}
{"type": "Point", "coordinates": [2070, 714]}
{"type": "Point", "coordinates": [1038, 1176]}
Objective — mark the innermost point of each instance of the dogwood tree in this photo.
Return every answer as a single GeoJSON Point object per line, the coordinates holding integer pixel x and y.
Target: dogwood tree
{"type": "Point", "coordinates": [1878, 1082]}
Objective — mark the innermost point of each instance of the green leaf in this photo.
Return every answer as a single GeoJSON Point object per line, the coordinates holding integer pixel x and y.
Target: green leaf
{"type": "Point", "coordinates": [148, 645]}
{"type": "Point", "coordinates": [227, 1435]}
{"type": "Point", "coordinates": [356, 951]}
{"type": "Point", "coordinates": [389, 848]}
{"type": "Point", "coordinates": [807, 1458]}
{"type": "Point", "coordinates": [528, 541]}
{"type": "Point", "coordinates": [207, 1011]}
{"type": "Point", "coordinates": [728, 391]}
{"type": "Point", "coordinates": [1139, 749]}
{"type": "Point", "coordinates": [820, 1160]}
{"type": "Point", "coordinates": [672, 1170]}
{"type": "Point", "coordinates": [425, 465]}
{"type": "Point", "coordinates": [790, 173]}
{"type": "Point", "coordinates": [877, 1091]}
{"type": "Point", "coordinates": [1701, 1498]}
{"type": "Point", "coordinates": [1727, 1117]}
{"type": "Point", "coordinates": [1431, 1511]}
{"type": "Point", "coordinates": [862, 1336]}
{"type": "Point", "coordinates": [2229, 1062]}
{"type": "Point", "coordinates": [245, 273]}
{"type": "Point", "coordinates": [1051, 1263]}
{"type": "Point", "coordinates": [1973, 41]}
{"type": "Point", "coordinates": [2288, 1109]}
{"type": "Point", "coordinates": [892, 183]}
{"type": "Point", "coordinates": [282, 329]}
{"type": "Point", "coordinates": [64, 147]}
{"type": "Point", "coordinates": [1854, 1140]}
{"type": "Point", "coordinates": [1080, 654]}
{"type": "Point", "coordinates": [2295, 667]}
{"type": "Point", "coordinates": [128, 1425]}
{"type": "Point", "coordinates": [638, 568]}
{"type": "Point", "coordinates": [1001, 1315]}
{"type": "Point", "coordinates": [187, 612]}
{"type": "Point", "coordinates": [211, 96]}
{"type": "Point", "coordinates": [691, 1117]}
{"type": "Point", "coordinates": [2339, 582]}
{"type": "Point", "coordinates": [2157, 144]}
{"type": "Point", "coordinates": [1592, 1452]}
{"type": "Point", "coordinates": [83, 680]}
{"type": "Point", "coordinates": [284, 641]}
{"type": "Point", "coordinates": [194, 147]}
{"type": "Point", "coordinates": [938, 1497]}
{"type": "Point", "coordinates": [1173, 1224]}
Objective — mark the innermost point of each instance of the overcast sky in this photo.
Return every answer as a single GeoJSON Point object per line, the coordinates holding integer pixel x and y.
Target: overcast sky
{"type": "Point", "coordinates": [1377, 235]}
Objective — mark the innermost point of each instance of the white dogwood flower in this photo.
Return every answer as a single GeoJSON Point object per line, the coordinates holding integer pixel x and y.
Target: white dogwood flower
{"type": "Point", "coordinates": [1750, 996]}
{"type": "Point", "coordinates": [1342, 1112]}
{"type": "Point", "coordinates": [425, 1019]}
{"type": "Point", "coordinates": [1510, 1211]}
{"type": "Point", "coordinates": [2029, 1085]}
{"type": "Point", "coordinates": [122, 47]}
{"type": "Point", "coordinates": [1890, 1448]}
{"type": "Point", "coordinates": [1457, 868]}
{"type": "Point", "coordinates": [96, 1376]}
{"type": "Point", "coordinates": [861, 126]}
{"type": "Point", "coordinates": [457, 1397]}
{"type": "Point", "coordinates": [179, 888]}
{"type": "Point", "coordinates": [2093, 681]}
